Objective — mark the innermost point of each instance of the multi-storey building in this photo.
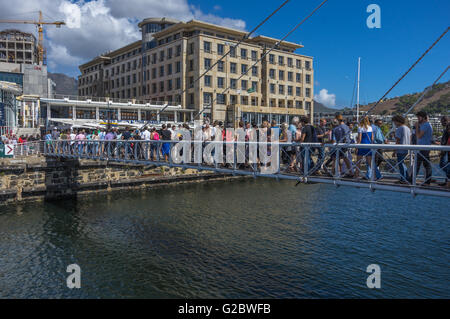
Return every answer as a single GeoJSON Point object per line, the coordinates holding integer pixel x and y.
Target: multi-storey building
{"type": "Point", "coordinates": [18, 47]}
{"type": "Point", "coordinates": [164, 66]}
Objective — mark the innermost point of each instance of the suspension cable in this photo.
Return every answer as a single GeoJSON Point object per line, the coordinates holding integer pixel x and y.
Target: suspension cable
{"type": "Point", "coordinates": [270, 50]}
{"type": "Point", "coordinates": [245, 37]}
{"type": "Point", "coordinates": [425, 92]}
{"type": "Point", "coordinates": [409, 70]}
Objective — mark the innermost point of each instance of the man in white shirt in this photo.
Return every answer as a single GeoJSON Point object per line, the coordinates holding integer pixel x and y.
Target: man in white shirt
{"type": "Point", "coordinates": [145, 134]}
{"type": "Point", "coordinates": [402, 137]}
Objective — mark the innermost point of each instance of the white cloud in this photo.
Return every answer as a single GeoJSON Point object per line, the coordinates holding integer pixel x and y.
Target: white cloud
{"type": "Point", "coordinates": [325, 98]}
{"type": "Point", "coordinates": [98, 26]}
{"type": "Point", "coordinates": [72, 13]}
{"type": "Point", "coordinates": [60, 54]}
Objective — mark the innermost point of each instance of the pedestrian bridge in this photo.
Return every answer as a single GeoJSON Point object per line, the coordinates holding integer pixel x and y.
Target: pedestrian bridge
{"type": "Point", "coordinates": [380, 168]}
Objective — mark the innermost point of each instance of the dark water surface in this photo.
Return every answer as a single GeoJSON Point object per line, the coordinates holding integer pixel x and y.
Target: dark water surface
{"type": "Point", "coordinates": [242, 239]}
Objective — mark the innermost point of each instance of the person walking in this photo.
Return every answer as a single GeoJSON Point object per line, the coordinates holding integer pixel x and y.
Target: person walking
{"type": "Point", "coordinates": [365, 136]}
{"type": "Point", "coordinates": [424, 136]}
{"type": "Point", "coordinates": [444, 163]}
{"type": "Point", "coordinates": [402, 137]}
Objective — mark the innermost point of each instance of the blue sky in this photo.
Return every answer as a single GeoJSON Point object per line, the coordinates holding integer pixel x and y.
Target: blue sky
{"type": "Point", "coordinates": [338, 34]}
{"type": "Point", "coordinates": [335, 36]}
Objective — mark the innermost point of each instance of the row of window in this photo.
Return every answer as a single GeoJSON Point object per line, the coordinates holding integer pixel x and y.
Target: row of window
{"type": "Point", "coordinates": [162, 55]}
{"type": "Point", "coordinates": [290, 76]}
{"type": "Point", "coordinates": [221, 83]}
{"type": "Point", "coordinates": [288, 90]}
{"type": "Point", "coordinates": [244, 53]}
{"type": "Point", "coordinates": [290, 62]}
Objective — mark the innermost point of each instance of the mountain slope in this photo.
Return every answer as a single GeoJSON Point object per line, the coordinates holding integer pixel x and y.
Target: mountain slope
{"type": "Point", "coordinates": [437, 100]}
{"type": "Point", "coordinates": [64, 84]}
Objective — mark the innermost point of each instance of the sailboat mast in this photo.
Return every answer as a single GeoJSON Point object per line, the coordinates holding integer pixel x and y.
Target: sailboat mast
{"type": "Point", "coordinates": [357, 94]}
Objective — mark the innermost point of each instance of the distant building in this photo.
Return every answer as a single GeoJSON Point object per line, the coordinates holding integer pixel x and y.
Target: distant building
{"type": "Point", "coordinates": [19, 69]}
{"type": "Point", "coordinates": [18, 47]}
{"type": "Point", "coordinates": [163, 65]}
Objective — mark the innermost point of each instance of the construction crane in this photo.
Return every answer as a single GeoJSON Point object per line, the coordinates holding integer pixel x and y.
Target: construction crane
{"type": "Point", "coordinates": [40, 25]}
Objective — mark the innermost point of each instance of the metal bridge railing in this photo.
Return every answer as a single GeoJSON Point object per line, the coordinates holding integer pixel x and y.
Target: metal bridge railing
{"type": "Point", "coordinates": [378, 166]}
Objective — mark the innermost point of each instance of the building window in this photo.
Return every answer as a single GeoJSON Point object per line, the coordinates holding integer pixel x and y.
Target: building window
{"type": "Point", "coordinates": [169, 53]}
{"type": "Point", "coordinates": [154, 73]}
{"type": "Point", "coordinates": [308, 79]}
{"type": "Point", "coordinates": [272, 88]}
{"type": "Point", "coordinates": [281, 60]}
{"type": "Point", "coordinates": [178, 67]}
{"type": "Point", "coordinates": [298, 77]}
{"type": "Point", "coordinates": [220, 49]}
{"type": "Point", "coordinates": [191, 48]}
{"type": "Point", "coordinates": [178, 83]}
{"type": "Point", "coordinates": [208, 80]}
{"type": "Point", "coordinates": [207, 46]}
{"type": "Point", "coordinates": [191, 65]}
{"type": "Point", "coordinates": [207, 63]}
{"type": "Point", "coordinates": [169, 69]}
{"type": "Point", "coordinates": [161, 71]}
{"type": "Point", "coordinates": [220, 82]}
{"type": "Point", "coordinates": [290, 76]}
{"type": "Point", "coordinates": [233, 52]}
{"type": "Point", "coordinates": [220, 66]}
{"type": "Point", "coordinates": [289, 62]}
{"type": "Point", "coordinates": [290, 90]}
{"type": "Point", "coordinates": [254, 70]}
{"type": "Point", "coordinates": [271, 59]}
{"type": "Point", "coordinates": [243, 68]}
{"type": "Point", "coordinates": [244, 84]}
{"type": "Point", "coordinates": [169, 85]}
{"type": "Point", "coordinates": [254, 55]}
{"type": "Point", "coordinates": [178, 50]}
{"type": "Point", "coordinates": [298, 64]}
{"type": "Point", "coordinates": [161, 86]}
{"type": "Point", "coordinates": [281, 75]}
{"type": "Point", "coordinates": [280, 89]}
{"type": "Point", "coordinates": [233, 84]}
{"type": "Point", "coordinates": [233, 67]}
{"type": "Point", "coordinates": [272, 74]}
{"type": "Point", "coordinates": [221, 99]}
{"type": "Point", "coordinates": [308, 65]}
{"type": "Point", "coordinates": [298, 91]}
{"type": "Point", "coordinates": [255, 86]}
{"type": "Point", "coordinates": [207, 98]}
{"type": "Point", "coordinates": [243, 53]}
{"type": "Point", "coordinates": [308, 92]}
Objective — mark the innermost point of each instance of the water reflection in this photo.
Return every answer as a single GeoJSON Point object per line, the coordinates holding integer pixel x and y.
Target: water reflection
{"type": "Point", "coordinates": [252, 238]}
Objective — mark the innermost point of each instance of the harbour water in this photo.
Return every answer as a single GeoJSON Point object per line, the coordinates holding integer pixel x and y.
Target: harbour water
{"type": "Point", "coordinates": [241, 239]}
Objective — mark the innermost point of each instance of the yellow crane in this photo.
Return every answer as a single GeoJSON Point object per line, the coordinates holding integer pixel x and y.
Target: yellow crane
{"type": "Point", "coordinates": [40, 25]}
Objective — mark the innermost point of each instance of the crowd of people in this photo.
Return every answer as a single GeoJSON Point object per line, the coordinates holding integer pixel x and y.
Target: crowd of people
{"type": "Point", "coordinates": [10, 138]}
{"type": "Point", "coordinates": [347, 160]}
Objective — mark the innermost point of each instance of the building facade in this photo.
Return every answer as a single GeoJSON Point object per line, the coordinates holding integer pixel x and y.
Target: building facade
{"type": "Point", "coordinates": [163, 68]}
{"type": "Point", "coordinates": [18, 47]}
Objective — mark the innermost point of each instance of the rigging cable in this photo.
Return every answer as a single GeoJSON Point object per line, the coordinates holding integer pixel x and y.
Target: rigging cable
{"type": "Point", "coordinates": [229, 51]}
{"type": "Point", "coordinates": [409, 70]}
{"type": "Point", "coordinates": [271, 49]}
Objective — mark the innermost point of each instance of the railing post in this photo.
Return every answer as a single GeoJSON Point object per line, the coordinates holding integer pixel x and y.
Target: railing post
{"type": "Point", "coordinates": [306, 162]}
{"type": "Point", "coordinates": [414, 169]}
{"type": "Point", "coordinates": [372, 165]}
{"type": "Point", "coordinates": [336, 163]}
